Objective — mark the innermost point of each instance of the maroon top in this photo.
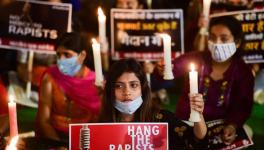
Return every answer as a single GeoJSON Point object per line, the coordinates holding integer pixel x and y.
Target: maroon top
{"type": "Point", "coordinates": [230, 98]}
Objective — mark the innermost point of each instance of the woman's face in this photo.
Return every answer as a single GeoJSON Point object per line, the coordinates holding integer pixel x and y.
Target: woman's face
{"type": "Point", "coordinates": [220, 34]}
{"type": "Point", "coordinates": [127, 87]}
{"type": "Point", "coordinates": [127, 4]}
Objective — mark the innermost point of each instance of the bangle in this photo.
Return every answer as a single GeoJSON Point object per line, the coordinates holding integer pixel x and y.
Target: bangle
{"type": "Point", "coordinates": [203, 31]}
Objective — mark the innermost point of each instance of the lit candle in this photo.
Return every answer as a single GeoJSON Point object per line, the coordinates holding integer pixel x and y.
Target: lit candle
{"type": "Point", "coordinates": [193, 79]}
{"type": "Point", "coordinates": [97, 63]}
{"type": "Point", "coordinates": [168, 75]}
{"type": "Point", "coordinates": [102, 38]}
{"type": "Point", "coordinates": [12, 117]}
{"type": "Point", "coordinates": [206, 8]}
{"type": "Point", "coordinates": [102, 25]}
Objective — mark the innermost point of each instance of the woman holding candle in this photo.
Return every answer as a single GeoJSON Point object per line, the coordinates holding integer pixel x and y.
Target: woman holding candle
{"type": "Point", "coordinates": [225, 81]}
{"type": "Point", "coordinates": [67, 91]}
{"type": "Point", "coordinates": [127, 98]}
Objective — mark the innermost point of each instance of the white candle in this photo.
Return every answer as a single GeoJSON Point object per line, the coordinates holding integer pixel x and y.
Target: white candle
{"type": "Point", "coordinates": [102, 25]}
{"type": "Point", "coordinates": [12, 117]}
{"type": "Point", "coordinates": [97, 63]}
{"type": "Point", "coordinates": [193, 79]}
{"type": "Point", "coordinates": [168, 75]}
{"type": "Point", "coordinates": [30, 66]}
{"type": "Point", "coordinates": [206, 8]}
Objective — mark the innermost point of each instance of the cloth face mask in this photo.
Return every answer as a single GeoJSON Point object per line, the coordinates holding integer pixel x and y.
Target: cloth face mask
{"type": "Point", "coordinates": [222, 52]}
{"type": "Point", "coordinates": [128, 107]}
{"type": "Point", "coordinates": [69, 66]}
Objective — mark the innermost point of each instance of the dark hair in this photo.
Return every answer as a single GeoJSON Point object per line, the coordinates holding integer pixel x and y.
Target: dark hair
{"type": "Point", "coordinates": [109, 113]}
{"type": "Point", "coordinates": [140, 2]}
{"type": "Point", "coordinates": [231, 23]}
{"type": "Point", "coordinates": [72, 41]}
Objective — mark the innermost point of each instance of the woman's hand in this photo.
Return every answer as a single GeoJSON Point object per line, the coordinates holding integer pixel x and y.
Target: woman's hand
{"type": "Point", "coordinates": [21, 145]}
{"type": "Point", "coordinates": [197, 102]}
{"type": "Point", "coordinates": [229, 134]}
{"type": "Point", "coordinates": [203, 21]}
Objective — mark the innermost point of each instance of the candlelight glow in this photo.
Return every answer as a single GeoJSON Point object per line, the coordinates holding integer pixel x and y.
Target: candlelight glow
{"type": "Point", "coordinates": [192, 67]}
{"type": "Point", "coordinates": [12, 145]}
{"type": "Point", "coordinates": [101, 14]}
{"type": "Point", "coordinates": [11, 98]}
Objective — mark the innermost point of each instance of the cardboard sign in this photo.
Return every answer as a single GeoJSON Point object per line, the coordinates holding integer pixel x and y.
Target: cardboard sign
{"type": "Point", "coordinates": [134, 33]}
{"type": "Point", "coordinates": [252, 45]}
{"type": "Point", "coordinates": [119, 136]}
{"type": "Point", "coordinates": [33, 25]}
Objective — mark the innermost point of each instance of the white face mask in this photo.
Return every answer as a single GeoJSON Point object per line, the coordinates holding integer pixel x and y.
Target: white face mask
{"type": "Point", "coordinates": [128, 107]}
{"type": "Point", "coordinates": [222, 52]}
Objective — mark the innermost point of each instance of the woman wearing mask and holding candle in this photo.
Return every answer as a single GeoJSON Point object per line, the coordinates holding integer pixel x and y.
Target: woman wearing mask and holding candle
{"type": "Point", "coordinates": [225, 81]}
{"type": "Point", "coordinates": [127, 98]}
{"type": "Point", "coordinates": [67, 91]}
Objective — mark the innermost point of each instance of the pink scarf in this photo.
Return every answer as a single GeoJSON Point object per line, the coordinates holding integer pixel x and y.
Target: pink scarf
{"type": "Point", "coordinates": [80, 90]}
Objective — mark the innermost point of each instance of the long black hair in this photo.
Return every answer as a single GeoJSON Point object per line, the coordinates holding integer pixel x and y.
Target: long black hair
{"type": "Point", "coordinates": [147, 109]}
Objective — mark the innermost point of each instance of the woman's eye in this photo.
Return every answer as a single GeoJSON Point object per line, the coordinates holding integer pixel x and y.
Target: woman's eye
{"type": "Point", "coordinates": [224, 40]}
{"type": "Point", "coordinates": [67, 55]}
{"type": "Point", "coordinates": [134, 85]}
{"type": "Point", "coordinates": [118, 86]}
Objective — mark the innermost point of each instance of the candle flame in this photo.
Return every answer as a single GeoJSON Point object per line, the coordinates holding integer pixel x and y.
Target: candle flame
{"type": "Point", "coordinates": [11, 98]}
{"type": "Point", "coordinates": [192, 67]}
{"type": "Point", "coordinates": [12, 145]}
{"type": "Point", "coordinates": [100, 12]}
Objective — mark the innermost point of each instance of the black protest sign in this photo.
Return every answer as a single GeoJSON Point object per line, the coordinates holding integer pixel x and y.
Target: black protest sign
{"type": "Point", "coordinates": [134, 33]}
{"type": "Point", "coordinates": [33, 25]}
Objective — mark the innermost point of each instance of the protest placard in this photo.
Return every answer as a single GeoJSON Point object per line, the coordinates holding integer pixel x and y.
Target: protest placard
{"type": "Point", "coordinates": [134, 33]}
{"type": "Point", "coordinates": [33, 25]}
{"type": "Point", "coordinates": [119, 136]}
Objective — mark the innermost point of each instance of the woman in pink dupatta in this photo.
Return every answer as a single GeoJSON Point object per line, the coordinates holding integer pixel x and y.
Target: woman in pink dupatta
{"type": "Point", "coordinates": [67, 91]}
